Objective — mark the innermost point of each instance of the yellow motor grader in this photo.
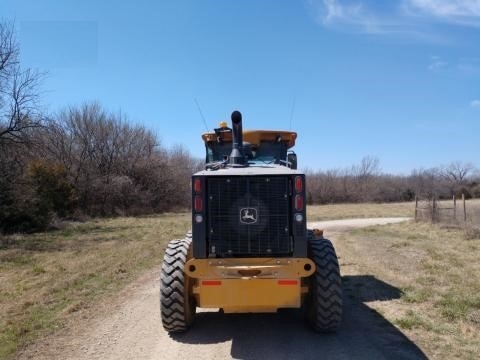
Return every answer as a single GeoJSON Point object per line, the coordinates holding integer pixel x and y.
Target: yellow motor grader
{"type": "Point", "coordinates": [249, 249]}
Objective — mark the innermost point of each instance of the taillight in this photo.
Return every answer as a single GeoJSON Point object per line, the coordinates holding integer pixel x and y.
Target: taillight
{"type": "Point", "coordinates": [198, 203]}
{"type": "Point", "coordinates": [197, 186]}
{"type": "Point", "coordinates": [298, 184]}
{"type": "Point", "coordinates": [298, 202]}
{"type": "Point", "coordinates": [287, 282]}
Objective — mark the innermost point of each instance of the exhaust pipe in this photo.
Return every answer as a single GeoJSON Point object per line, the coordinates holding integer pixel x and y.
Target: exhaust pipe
{"type": "Point", "coordinates": [237, 157]}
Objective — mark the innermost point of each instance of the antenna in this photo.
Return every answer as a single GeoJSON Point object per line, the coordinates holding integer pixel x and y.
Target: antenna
{"type": "Point", "coordinates": [201, 114]}
{"type": "Point", "coordinates": [291, 111]}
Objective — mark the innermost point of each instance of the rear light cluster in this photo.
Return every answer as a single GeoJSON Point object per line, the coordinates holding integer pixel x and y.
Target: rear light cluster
{"type": "Point", "coordinates": [197, 186]}
{"type": "Point", "coordinates": [299, 198]}
{"type": "Point", "coordinates": [197, 202]}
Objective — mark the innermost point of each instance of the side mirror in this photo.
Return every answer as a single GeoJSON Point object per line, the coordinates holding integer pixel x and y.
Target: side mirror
{"type": "Point", "coordinates": [292, 160]}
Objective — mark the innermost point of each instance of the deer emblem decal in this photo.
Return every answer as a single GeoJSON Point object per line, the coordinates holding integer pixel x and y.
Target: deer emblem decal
{"type": "Point", "coordinates": [248, 215]}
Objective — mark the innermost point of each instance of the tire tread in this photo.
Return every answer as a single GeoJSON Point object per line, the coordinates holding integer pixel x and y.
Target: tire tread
{"type": "Point", "coordinates": [324, 304]}
{"type": "Point", "coordinates": [174, 308]}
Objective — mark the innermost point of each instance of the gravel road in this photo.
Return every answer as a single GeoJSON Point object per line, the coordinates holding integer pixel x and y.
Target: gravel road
{"type": "Point", "coordinates": [129, 327]}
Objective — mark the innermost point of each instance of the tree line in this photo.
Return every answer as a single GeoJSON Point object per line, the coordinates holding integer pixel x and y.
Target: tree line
{"type": "Point", "coordinates": [366, 182]}
{"type": "Point", "coordinates": [85, 161]}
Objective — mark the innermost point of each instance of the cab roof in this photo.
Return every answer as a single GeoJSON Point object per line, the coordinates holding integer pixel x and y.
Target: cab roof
{"type": "Point", "coordinates": [254, 137]}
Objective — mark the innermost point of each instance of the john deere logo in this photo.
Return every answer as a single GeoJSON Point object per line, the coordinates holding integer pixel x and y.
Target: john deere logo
{"type": "Point", "coordinates": [248, 216]}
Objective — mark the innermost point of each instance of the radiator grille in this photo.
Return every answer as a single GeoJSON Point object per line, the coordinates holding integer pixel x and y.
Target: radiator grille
{"type": "Point", "coordinates": [248, 216]}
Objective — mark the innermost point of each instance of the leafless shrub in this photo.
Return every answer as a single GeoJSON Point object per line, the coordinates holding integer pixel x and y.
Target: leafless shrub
{"type": "Point", "coordinates": [117, 167]}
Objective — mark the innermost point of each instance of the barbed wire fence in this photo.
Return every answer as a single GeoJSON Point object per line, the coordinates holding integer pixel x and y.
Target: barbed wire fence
{"type": "Point", "coordinates": [461, 213]}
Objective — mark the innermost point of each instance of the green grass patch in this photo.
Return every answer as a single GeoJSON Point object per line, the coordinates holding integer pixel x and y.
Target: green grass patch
{"type": "Point", "coordinates": [410, 321]}
{"type": "Point", "coordinates": [412, 295]}
{"type": "Point", "coordinates": [455, 307]}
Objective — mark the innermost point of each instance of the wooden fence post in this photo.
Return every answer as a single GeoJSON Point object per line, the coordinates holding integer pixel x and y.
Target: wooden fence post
{"type": "Point", "coordinates": [464, 209]}
{"type": "Point", "coordinates": [416, 207]}
{"type": "Point", "coordinates": [433, 210]}
{"type": "Point", "coordinates": [454, 208]}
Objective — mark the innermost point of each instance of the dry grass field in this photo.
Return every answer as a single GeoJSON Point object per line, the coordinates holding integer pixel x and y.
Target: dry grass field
{"type": "Point", "coordinates": [370, 210]}
{"type": "Point", "coordinates": [437, 271]}
{"type": "Point", "coordinates": [45, 278]}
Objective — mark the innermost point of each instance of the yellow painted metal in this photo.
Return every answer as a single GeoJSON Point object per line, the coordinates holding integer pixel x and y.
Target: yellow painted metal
{"type": "Point", "coordinates": [235, 268]}
{"type": "Point", "coordinates": [249, 284]}
{"type": "Point", "coordinates": [255, 137]}
{"type": "Point", "coordinates": [248, 295]}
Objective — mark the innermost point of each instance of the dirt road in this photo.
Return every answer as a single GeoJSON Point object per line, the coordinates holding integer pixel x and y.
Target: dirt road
{"type": "Point", "coordinates": [129, 327]}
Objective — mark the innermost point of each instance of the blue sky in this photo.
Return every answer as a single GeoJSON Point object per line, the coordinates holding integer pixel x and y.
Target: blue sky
{"type": "Point", "coordinates": [398, 80]}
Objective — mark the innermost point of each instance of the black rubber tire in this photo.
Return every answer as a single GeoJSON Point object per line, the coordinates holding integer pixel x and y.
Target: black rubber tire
{"type": "Point", "coordinates": [323, 304]}
{"type": "Point", "coordinates": [177, 304]}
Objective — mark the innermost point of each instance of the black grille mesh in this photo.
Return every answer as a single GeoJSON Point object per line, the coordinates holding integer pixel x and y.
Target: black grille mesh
{"type": "Point", "coordinates": [248, 216]}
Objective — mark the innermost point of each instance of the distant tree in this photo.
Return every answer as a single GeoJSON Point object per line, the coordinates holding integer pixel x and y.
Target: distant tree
{"type": "Point", "coordinates": [364, 174]}
{"type": "Point", "coordinates": [457, 172]}
{"type": "Point", "coordinates": [456, 176]}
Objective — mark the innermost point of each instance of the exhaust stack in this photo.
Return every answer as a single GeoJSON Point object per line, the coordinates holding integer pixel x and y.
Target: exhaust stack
{"type": "Point", "coordinates": [237, 157]}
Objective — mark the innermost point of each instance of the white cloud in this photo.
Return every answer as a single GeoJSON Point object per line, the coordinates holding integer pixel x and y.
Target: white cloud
{"type": "Point", "coordinates": [449, 9]}
{"type": "Point", "coordinates": [355, 16]}
{"type": "Point", "coordinates": [411, 18]}
{"type": "Point", "coordinates": [456, 12]}
{"type": "Point", "coordinates": [475, 103]}
{"type": "Point", "coordinates": [333, 12]}
{"type": "Point", "coordinates": [436, 63]}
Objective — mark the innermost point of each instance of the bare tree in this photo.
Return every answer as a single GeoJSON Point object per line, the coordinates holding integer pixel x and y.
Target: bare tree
{"type": "Point", "coordinates": [363, 175]}
{"type": "Point", "coordinates": [9, 50]}
{"type": "Point", "coordinates": [19, 91]}
{"type": "Point", "coordinates": [368, 167]}
{"type": "Point", "coordinates": [455, 176]}
{"type": "Point", "coordinates": [20, 205]}
{"type": "Point", "coordinates": [457, 172]}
